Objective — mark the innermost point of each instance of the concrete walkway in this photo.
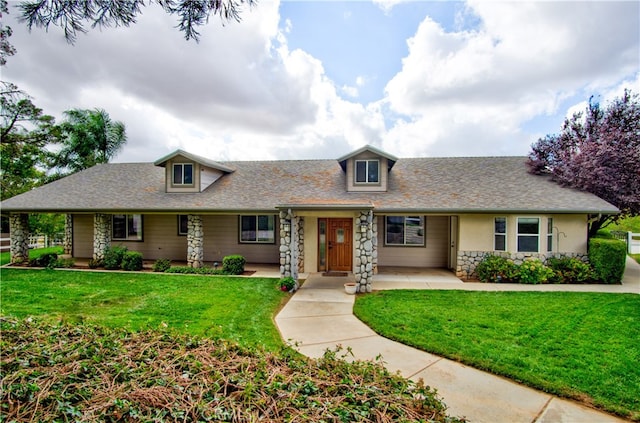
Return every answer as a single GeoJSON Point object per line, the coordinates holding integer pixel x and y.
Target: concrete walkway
{"type": "Point", "coordinates": [320, 316]}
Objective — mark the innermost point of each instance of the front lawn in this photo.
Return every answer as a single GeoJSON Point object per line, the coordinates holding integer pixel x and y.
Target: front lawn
{"type": "Point", "coordinates": [233, 308]}
{"type": "Point", "coordinates": [578, 345]}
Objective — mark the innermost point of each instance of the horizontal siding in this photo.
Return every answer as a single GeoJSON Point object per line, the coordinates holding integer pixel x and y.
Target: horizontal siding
{"type": "Point", "coordinates": [160, 239]}
{"type": "Point", "coordinates": [434, 254]}
{"type": "Point", "coordinates": [221, 238]}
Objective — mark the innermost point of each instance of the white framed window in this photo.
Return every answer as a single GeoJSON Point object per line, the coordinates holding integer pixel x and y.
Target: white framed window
{"type": "Point", "coordinates": [367, 171]}
{"type": "Point", "coordinates": [550, 234]}
{"type": "Point", "coordinates": [528, 234]}
{"type": "Point", "coordinates": [183, 224]}
{"type": "Point", "coordinates": [500, 234]}
{"type": "Point", "coordinates": [258, 229]}
{"type": "Point", "coordinates": [183, 174]}
{"type": "Point", "coordinates": [405, 230]}
{"type": "Point", "coordinates": [126, 227]}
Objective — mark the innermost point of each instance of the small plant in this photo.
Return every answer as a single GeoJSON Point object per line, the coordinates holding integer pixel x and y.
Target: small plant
{"type": "Point", "coordinates": [161, 265]}
{"type": "Point", "coordinates": [113, 257]}
{"type": "Point", "coordinates": [233, 265]}
{"type": "Point", "coordinates": [66, 263]}
{"type": "Point", "coordinates": [496, 269]}
{"type": "Point", "coordinates": [534, 272]}
{"type": "Point", "coordinates": [570, 270]}
{"type": "Point", "coordinates": [194, 270]}
{"type": "Point", "coordinates": [287, 284]}
{"type": "Point", "coordinates": [95, 263]}
{"type": "Point", "coordinates": [132, 260]}
{"type": "Point", "coordinates": [47, 260]}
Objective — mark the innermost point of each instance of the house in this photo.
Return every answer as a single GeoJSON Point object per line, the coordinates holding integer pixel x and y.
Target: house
{"type": "Point", "coordinates": [359, 213]}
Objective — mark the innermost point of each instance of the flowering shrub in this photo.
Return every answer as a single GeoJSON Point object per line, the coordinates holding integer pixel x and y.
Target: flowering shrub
{"type": "Point", "coordinates": [570, 270]}
{"type": "Point", "coordinates": [496, 269]}
{"type": "Point", "coordinates": [534, 272]}
{"type": "Point", "coordinates": [287, 283]}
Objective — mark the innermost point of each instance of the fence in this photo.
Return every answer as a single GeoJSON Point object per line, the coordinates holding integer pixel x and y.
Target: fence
{"type": "Point", "coordinates": [631, 239]}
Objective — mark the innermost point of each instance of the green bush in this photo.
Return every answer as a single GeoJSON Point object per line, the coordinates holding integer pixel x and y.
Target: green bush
{"type": "Point", "coordinates": [570, 270]}
{"type": "Point", "coordinates": [194, 270]}
{"type": "Point", "coordinates": [496, 269]}
{"type": "Point", "coordinates": [66, 263]}
{"type": "Point", "coordinates": [534, 272]}
{"type": "Point", "coordinates": [287, 283]}
{"type": "Point", "coordinates": [132, 260]}
{"type": "Point", "coordinates": [233, 265]}
{"type": "Point", "coordinates": [608, 257]}
{"type": "Point", "coordinates": [45, 260]}
{"type": "Point", "coordinates": [113, 257]}
{"type": "Point", "coordinates": [94, 264]}
{"type": "Point", "coordinates": [161, 265]}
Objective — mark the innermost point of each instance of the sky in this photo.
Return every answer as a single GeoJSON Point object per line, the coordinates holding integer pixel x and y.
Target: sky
{"type": "Point", "coordinates": [320, 79]}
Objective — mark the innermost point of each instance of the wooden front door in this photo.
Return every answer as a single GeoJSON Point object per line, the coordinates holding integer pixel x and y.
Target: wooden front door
{"type": "Point", "coordinates": [339, 244]}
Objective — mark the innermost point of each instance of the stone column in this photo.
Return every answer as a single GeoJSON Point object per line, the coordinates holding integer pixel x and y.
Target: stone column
{"type": "Point", "coordinates": [67, 242]}
{"type": "Point", "coordinates": [300, 244]}
{"type": "Point", "coordinates": [195, 241]}
{"type": "Point", "coordinates": [101, 235]}
{"type": "Point", "coordinates": [366, 251]}
{"type": "Point", "coordinates": [19, 228]}
{"type": "Point", "coordinates": [285, 244]}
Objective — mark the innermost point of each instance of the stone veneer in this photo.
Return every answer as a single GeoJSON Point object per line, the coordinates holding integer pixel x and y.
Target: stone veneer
{"type": "Point", "coordinates": [67, 242]}
{"type": "Point", "coordinates": [469, 260]}
{"type": "Point", "coordinates": [19, 228]}
{"type": "Point", "coordinates": [195, 241]}
{"type": "Point", "coordinates": [291, 253]}
{"type": "Point", "coordinates": [366, 251]}
{"type": "Point", "coordinates": [101, 235]}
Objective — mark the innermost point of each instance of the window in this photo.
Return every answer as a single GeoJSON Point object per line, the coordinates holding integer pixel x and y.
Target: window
{"type": "Point", "coordinates": [367, 171]}
{"type": "Point", "coordinates": [183, 224]}
{"type": "Point", "coordinates": [550, 234]}
{"type": "Point", "coordinates": [404, 230]}
{"type": "Point", "coordinates": [127, 227]}
{"type": "Point", "coordinates": [500, 234]}
{"type": "Point", "coordinates": [259, 229]}
{"type": "Point", "coordinates": [182, 174]}
{"type": "Point", "coordinates": [528, 234]}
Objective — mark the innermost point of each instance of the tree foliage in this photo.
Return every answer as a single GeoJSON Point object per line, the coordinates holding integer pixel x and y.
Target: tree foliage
{"type": "Point", "coordinates": [89, 137]}
{"type": "Point", "coordinates": [6, 49]}
{"type": "Point", "coordinates": [73, 15]}
{"type": "Point", "coordinates": [597, 151]}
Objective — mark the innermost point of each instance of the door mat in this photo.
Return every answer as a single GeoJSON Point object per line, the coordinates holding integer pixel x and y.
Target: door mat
{"type": "Point", "coordinates": [335, 274]}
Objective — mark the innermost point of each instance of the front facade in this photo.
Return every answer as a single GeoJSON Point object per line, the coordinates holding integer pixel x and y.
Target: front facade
{"type": "Point", "coordinates": [361, 213]}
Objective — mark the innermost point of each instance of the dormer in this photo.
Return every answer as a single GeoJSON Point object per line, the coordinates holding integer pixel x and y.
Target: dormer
{"type": "Point", "coordinates": [188, 173]}
{"type": "Point", "coordinates": [367, 169]}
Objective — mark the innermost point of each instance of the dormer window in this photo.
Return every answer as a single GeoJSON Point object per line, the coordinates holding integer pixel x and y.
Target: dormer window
{"type": "Point", "coordinates": [182, 174]}
{"type": "Point", "coordinates": [367, 171]}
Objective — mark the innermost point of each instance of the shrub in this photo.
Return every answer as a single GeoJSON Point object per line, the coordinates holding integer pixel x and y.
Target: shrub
{"type": "Point", "coordinates": [570, 270]}
{"type": "Point", "coordinates": [113, 257]}
{"type": "Point", "coordinates": [607, 256]}
{"type": "Point", "coordinates": [233, 265]}
{"type": "Point", "coordinates": [496, 269]}
{"type": "Point", "coordinates": [287, 283]}
{"type": "Point", "coordinates": [45, 260]}
{"type": "Point", "coordinates": [161, 265]}
{"type": "Point", "coordinates": [132, 260]}
{"type": "Point", "coordinates": [67, 263]}
{"type": "Point", "coordinates": [194, 270]}
{"type": "Point", "coordinates": [534, 272]}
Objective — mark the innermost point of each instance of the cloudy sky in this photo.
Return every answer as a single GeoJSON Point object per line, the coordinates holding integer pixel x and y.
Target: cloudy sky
{"type": "Point", "coordinates": [319, 79]}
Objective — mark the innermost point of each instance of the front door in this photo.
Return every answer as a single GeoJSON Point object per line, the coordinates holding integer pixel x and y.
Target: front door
{"type": "Point", "coordinates": [339, 244]}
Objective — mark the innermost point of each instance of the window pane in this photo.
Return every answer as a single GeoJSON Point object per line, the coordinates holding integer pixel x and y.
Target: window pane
{"type": "Point", "coordinates": [373, 171]}
{"type": "Point", "coordinates": [188, 174]}
{"type": "Point", "coordinates": [183, 225]}
{"type": "Point", "coordinates": [528, 225]}
{"type": "Point", "coordinates": [177, 174]}
{"type": "Point", "coordinates": [500, 225]}
{"type": "Point", "coordinates": [119, 226]}
{"type": "Point", "coordinates": [248, 228]}
{"type": "Point", "coordinates": [395, 229]}
{"type": "Point", "coordinates": [414, 230]}
{"type": "Point", "coordinates": [361, 171]}
{"type": "Point", "coordinates": [500, 243]}
{"type": "Point", "coordinates": [265, 229]}
{"type": "Point", "coordinates": [528, 244]}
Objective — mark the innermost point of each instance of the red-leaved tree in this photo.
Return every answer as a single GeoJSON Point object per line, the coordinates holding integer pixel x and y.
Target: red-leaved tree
{"type": "Point", "coordinates": [597, 151]}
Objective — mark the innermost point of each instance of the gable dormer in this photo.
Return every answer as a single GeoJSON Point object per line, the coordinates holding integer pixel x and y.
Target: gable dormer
{"type": "Point", "coordinates": [367, 169]}
{"type": "Point", "coordinates": [188, 173]}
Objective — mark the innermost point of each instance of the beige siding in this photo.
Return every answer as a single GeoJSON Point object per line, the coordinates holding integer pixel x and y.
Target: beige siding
{"type": "Point", "coordinates": [476, 232]}
{"type": "Point", "coordinates": [221, 238]}
{"type": "Point", "coordinates": [160, 239]}
{"type": "Point", "coordinates": [83, 235]}
{"type": "Point", "coordinates": [384, 173]}
{"type": "Point", "coordinates": [434, 254]}
{"type": "Point", "coordinates": [310, 244]}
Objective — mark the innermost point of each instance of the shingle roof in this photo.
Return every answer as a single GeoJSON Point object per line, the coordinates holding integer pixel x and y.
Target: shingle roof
{"type": "Point", "coordinates": [428, 185]}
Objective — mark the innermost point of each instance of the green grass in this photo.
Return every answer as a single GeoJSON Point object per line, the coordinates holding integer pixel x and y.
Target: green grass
{"type": "Point", "coordinates": [5, 257]}
{"type": "Point", "coordinates": [237, 309]}
{"type": "Point", "coordinates": [578, 345]}
{"type": "Point", "coordinates": [629, 224]}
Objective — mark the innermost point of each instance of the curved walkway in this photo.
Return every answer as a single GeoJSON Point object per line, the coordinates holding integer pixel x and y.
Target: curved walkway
{"type": "Point", "coordinates": [319, 316]}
